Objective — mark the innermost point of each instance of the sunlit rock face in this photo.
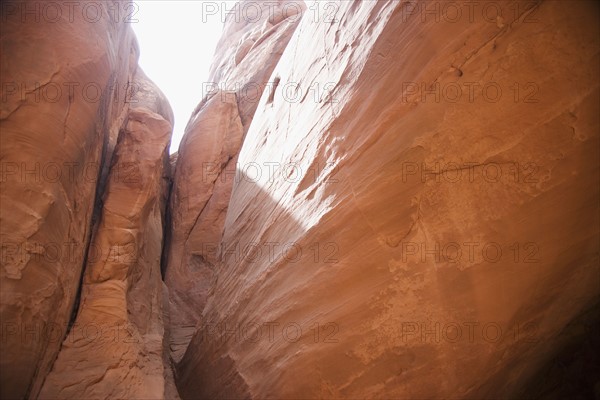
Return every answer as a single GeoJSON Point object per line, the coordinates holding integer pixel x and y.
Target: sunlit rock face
{"type": "Point", "coordinates": [206, 161]}
{"type": "Point", "coordinates": [425, 223]}
{"type": "Point", "coordinates": [85, 180]}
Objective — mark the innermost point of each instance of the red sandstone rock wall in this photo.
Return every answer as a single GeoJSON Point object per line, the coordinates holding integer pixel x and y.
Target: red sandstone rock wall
{"type": "Point", "coordinates": [122, 294]}
{"type": "Point", "coordinates": [433, 227]}
{"type": "Point", "coordinates": [375, 199]}
{"type": "Point", "coordinates": [205, 171]}
{"type": "Point", "coordinates": [70, 88]}
{"type": "Point", "coordinates": [63, 102]}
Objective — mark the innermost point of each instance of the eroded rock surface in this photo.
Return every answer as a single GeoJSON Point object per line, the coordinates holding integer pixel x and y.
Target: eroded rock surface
{"type": "Point", "coordinates": [122, 294]}
{"type": "Point", "coordinates": [63, 103]}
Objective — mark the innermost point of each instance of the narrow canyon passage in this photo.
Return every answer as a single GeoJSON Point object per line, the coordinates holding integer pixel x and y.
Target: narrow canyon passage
{"type": "Point", "coordinates": [392, 199]}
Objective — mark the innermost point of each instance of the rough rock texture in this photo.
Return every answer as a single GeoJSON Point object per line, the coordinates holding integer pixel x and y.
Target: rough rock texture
{"type": "Point", "coordinates": [63, 103]}
{"type": "Point", "coordinates": [374, 199]}
{"type": "Point", "coordinates": [115, 348]}
{"type": "Point", "coordinates": [72, 196]}
{"type": "Point", "coordinates": [207, 157]}
{"type": "Point", "coordinates": [421, 245]}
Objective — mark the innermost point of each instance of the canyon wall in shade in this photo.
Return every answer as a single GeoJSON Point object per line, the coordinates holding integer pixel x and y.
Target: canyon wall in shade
{"type": "Point", "coordinates": [84, 181]}
{"type": "Point", "coordinates": [115, 347]}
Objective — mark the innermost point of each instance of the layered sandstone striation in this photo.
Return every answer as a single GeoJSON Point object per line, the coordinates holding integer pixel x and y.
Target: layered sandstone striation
{"type": "Point", "coordinates": [432, 230]}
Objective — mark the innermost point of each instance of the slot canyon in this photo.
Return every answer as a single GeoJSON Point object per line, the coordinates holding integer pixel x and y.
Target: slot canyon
{"type": "Point", "coordinates": [391, 199]}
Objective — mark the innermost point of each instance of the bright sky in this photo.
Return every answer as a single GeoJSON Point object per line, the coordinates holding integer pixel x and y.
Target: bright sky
{"type": "Point", "coordinates": [177, 40]}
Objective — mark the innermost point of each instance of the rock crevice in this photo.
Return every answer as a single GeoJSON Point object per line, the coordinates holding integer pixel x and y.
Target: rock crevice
{"type": "Point", "coordinates": [372, 201]}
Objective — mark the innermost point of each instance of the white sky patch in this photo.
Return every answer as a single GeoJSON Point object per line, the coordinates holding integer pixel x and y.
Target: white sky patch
{"type": "Point", "coordinates": [177, 41]}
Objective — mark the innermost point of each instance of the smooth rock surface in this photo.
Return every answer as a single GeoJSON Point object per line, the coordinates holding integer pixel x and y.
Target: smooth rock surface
{"type": "Point", "coordinates": [422, 245]}
{"type": "Point", "coordinates": [206, 162]}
